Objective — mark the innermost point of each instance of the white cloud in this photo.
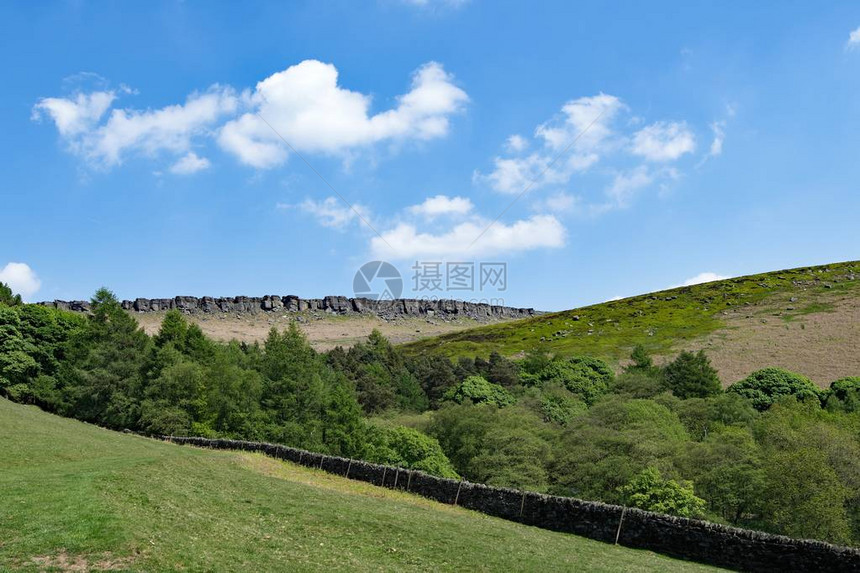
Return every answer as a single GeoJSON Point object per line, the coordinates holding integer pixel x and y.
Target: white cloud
{"type": "Point", "coordinates": [587, 118]}
{"type": "Point", "coordinates": [149, 132]}
{"type": "Point", "coordinates": [625, 186]}
{"type": "Point", "coordinates": [442, 205]}
{"type": "Point", "coordinates": [307, 107]}
{"type": "Point", "coordinates": [331, 212]}
{"type": "Point", "coordinates": [591, 131]}
{"type": "Point", "coordinates": [718, 127]}
{"type": "Point", "coordinates": [21, 279]}
{"type": "Point", "coordinates": [558, 202]}
{"type": "Point", "coordinates": [304, 103]}
{"type": "Point", "coordinates": [190, 164]}
{"type": "Point", "coordinates": [664, 141]}
{"type": "Point", "coordinates": [75, 115]}
{"type": "Point", "coordinates": [702, 278]}
{"type": "Point", "coordinates": [853, 39]}
{"type": "Point", "coordinates": [405, 242]}
{"type": "Point", "coordinates": [517, 143]}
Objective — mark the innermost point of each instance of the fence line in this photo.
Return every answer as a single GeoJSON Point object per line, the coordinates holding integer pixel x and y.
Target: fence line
{"type": "Point", "coordinates": [690, 539]}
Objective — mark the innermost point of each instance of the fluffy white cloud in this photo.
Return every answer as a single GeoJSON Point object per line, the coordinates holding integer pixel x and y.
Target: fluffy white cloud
{"type": "Point", "coordinates": [586, 132]}
{"type": "Point", "coordinates": [75, 115]}
{"type": "Point", "coordinates": [664, 141]}
{"type": "Point", "coordinates": [702, 278]}
{"type": "Point", "coordinates": [304, 103]}
{"type": "Point", "coordinates": [405, 242]}
{"type": "Point", "coordinates": [21, 279]}
{"type": "Point", "coordinates": [853, 39]}
{"type": "Point", "coordinates": [442, 205]}
{"type": "Point", "coordinates": [190, 164]}
{"type": "Point", "coordinates": [588, 118]}
{"type": "Point", "coordinates": [516, 143]}
{"type": "Point", "coordinates": [331, 212]}
{"type": "Point", "coordinates": [150, 132]}
{"type": "Point", "coordinates": [307, 107]}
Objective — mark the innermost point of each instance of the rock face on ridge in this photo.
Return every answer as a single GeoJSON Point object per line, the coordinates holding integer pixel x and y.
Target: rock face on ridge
{"type": "Point", "coordinates": [332, 304]}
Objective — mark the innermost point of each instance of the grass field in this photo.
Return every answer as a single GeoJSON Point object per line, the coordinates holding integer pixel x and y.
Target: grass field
{"type": "Point", "coordinates": [805, 319]}
{"type": "Point", "coordinates": [77, 497]}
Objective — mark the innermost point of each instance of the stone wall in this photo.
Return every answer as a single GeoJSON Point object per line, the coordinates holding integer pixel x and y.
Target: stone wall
{"type": "Point", "coordinates": [329, 304]}
{"type": "Point", "coordinates": [690, 539]}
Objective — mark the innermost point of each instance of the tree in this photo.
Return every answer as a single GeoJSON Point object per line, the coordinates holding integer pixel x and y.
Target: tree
{"type": "Point", "coordinates": [559, 405]}
{"type": "Point", "coordinates": [507, 447]}
{"type": "Point", "coordinates": [843, 395]}
{"type": "Point", "coordinates": [727, 469]}
{"type": "Point", "coordinates": [435, 374]}
{"type": "Point", "coordinates": [804, 497]}
{"type": "Point", "coordinates": [691, 376]}
{"type": "Point", "coordinates": [103, 382]}
{"type": "Point", "coordinates": [7, 297]}
{"type": "Point", "coordinates": [478, 390]}
{"type": "Point", "coordinates": [763, 387]}
{"type": "Point", "coordinates": [616, 439]}
{"type": "Point", "coordinates": [649, 491]}
{"type": "Point", "coordinates": [409, 448]}
{"type": "Point", "coordinates": [642, 363]}
{"type": "Point", "coordinates": [585, 376]}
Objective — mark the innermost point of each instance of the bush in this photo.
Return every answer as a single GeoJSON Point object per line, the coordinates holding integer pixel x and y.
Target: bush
{"type": "Point", "coordinates": [649, 491]}
{"type": "Point", "coordinates": [763, 387]}
{"type": "Point", "coordinates": [691, 376]}
{"type": "Point", "coordinates": [479, 391]}
{"type": "Point", "coordinates": [843, 395]}
{"type": "Point", "coordinates": [587, 377]}
{"type": "Point", "coordinates": [408, 448]}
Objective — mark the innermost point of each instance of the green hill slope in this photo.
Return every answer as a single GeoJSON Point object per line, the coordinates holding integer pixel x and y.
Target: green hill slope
{"type": "Point", "coordinates": [77, 497]}
{"type": "Point", "coordinates": [805, 319]}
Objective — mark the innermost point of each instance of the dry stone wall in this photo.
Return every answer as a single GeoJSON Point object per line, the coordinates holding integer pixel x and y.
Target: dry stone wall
{"type": "Point", "coordinates": [329, 304]}
{"type": "Point", "coordinates": [689, 539]}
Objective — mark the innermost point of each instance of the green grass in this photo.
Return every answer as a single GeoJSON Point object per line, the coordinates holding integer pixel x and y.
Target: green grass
{"type": "Point", "coordinates": [662, 321]}
{"type": "Point", "coordinates": [74, 495]}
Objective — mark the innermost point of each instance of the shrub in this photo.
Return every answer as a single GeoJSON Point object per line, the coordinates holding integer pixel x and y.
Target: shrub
{"type": "Point", "coordinates": [763, 387]}
{"type": "Point", "coordinates": [409, 448]}
{"type": "Point", "coordinates": [691, 376]}
{"type": "Point", "coordinates": [478, 390]}
{"type": "Point", "coordinates": [649, 491]}
{"type": "Point", "coordinates": [843, 394]}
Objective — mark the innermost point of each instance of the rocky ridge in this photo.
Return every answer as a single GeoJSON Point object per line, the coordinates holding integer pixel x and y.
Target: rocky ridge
{"type": "Point", "coordinates": [387, 309]}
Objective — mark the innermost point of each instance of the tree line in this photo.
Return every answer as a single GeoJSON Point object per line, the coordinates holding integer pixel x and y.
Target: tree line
{"type": "Point", "coordinates": [772, 452]}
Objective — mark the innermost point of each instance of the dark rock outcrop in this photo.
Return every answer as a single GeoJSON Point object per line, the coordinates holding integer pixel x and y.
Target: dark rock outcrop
{"type": "Point", "coordinates": [388, 309]}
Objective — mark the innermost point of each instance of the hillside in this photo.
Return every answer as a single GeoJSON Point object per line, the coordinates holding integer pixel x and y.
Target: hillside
{"type": "Point", "coordinates": [806, 320]}
{"type": "Point", "coordinates": [77, 497]}
{"type": "Point", "coordinates": [324, 331]}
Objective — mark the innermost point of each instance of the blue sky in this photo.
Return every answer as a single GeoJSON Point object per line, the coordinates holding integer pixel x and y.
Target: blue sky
{"type": "Point", "coordinates": [658, 143]}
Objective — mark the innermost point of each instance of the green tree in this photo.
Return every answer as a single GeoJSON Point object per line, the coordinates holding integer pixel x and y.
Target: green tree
{"type": "Point", "coordinates": [104, 379]}
{"type": "Point", "coordinates": [763, 387]}
{"type": "Point", "coordinates": [641, 362]}
{"type": "Point", "coordinates": [727, 469]}
{"type": "Point", "coordinates": [649, 491]}
{"type": "Point", "coordinates": [843, 395]}
{"type": "Point", "coordinates": [616, 439]}
{"type": "Point", "coordinates": [691, 376]}
{"type": "Point", "coordinates": [478, 390]}
{"type": "Point", "coordinates": [585, 376]}
{"type": "Point", "coordinates": [409, 448]}
{"type": "Point", "coordinates": [7, 297]}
